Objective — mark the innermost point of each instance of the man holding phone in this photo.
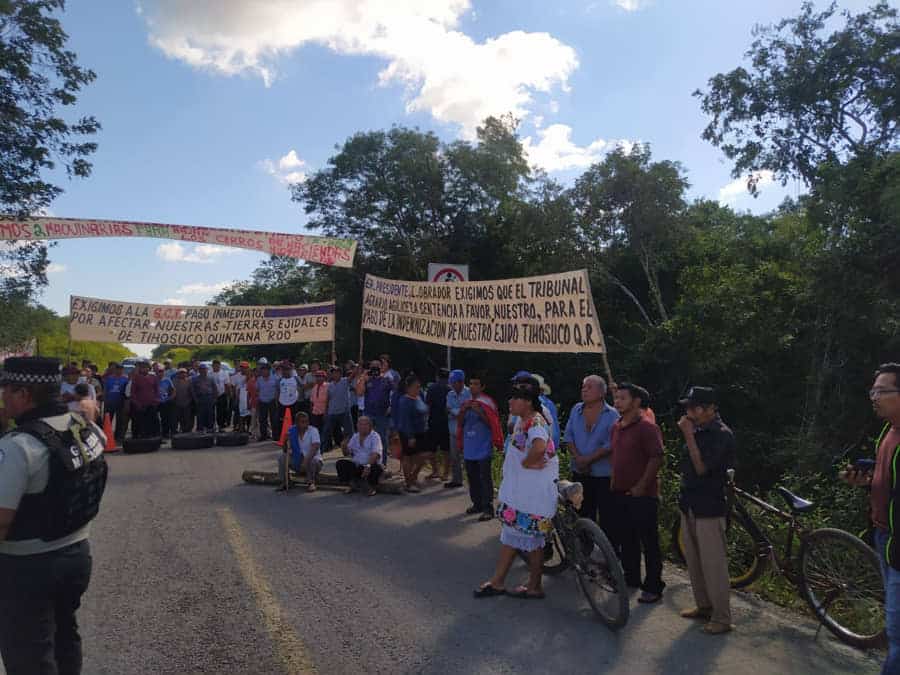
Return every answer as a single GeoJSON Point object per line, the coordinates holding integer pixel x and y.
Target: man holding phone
{"type": "Point", "coordinates": [883, 499]}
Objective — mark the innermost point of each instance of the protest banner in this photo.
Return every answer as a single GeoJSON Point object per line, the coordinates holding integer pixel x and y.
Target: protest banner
{"type": "Point", "coordinates": [100, 320]}
{"type": "Point", "coordinates": [323, 250]}
{"type": "Point", "coordinates": [552, 313]}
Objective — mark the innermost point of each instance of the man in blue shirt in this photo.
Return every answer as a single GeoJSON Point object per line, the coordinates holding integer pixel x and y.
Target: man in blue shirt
{"type": "Point", "coordinates": [267, 406]}
{"type": "Point", "coordinates": [588, 436]}
{"type": "Point", "coordinates": [337, 414]}
{"type": "Point", "coordinates": [376, 387]}
{"type": "Point", "coordinates": [459, 393]}
{"type": "Point", "coordinates": [114, 384]}
{"type": "Point", "coordinates": [478, 450]}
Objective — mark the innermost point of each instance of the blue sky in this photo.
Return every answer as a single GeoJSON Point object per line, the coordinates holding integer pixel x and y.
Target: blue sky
{"type": "Point", "coordinates": [208, 108]}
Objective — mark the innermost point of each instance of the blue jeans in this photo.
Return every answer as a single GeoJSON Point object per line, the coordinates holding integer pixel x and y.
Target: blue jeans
{"type": "Point", "coordinates": [891, 607]}
{"type": "Point", "coordinates": [382, 424]}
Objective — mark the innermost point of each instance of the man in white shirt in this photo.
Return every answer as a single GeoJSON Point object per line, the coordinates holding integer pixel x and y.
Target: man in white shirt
{"type": "Point", "coordinates": [306, 456]}
{"type": "Point", "coordinates": [220, 377]}
{"type": "Point", "coordinates": [364, 450]}
{"type": "Point", "coordinates": [288, 395]}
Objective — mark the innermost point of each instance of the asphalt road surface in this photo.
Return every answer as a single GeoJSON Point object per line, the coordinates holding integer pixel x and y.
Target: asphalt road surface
{"type": "Point", "coordinates": [196, 572]}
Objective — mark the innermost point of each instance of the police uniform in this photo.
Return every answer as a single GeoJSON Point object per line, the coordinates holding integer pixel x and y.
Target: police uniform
{"type": "Point", "coordinates": [52, 474]}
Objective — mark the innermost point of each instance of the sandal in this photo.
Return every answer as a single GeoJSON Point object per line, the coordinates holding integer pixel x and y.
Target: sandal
{"type": "Point", "coordinates": [372, 492]}
{"type": "Point", "coordinates": [488, 591]}
{"type": "Point", "coordinates": [311, 487]}
{"type": "Point", "coordinates": [522, 593]}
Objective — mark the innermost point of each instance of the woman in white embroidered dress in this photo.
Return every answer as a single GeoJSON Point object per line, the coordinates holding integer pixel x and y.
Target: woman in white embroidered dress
{"type": "Point", "coordinates": [528, 494]}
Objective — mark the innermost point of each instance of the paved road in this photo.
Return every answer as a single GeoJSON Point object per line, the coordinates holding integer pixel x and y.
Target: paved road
{"type": "Point", "coordinates": [195, 572]}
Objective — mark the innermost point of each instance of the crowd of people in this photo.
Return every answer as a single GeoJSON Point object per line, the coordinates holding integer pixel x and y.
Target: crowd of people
{"type": "Point", "coordinates": [454, 426]}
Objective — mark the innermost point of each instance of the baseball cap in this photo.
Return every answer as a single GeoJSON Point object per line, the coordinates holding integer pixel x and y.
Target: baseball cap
{"type": "Point", "coordinates": [263, 361]}
{"type": "Point", "coordinates": [700, 396]}
{"type": "Point", "coordinates": [457, 376]}
{"type": "Point", "coordinates": [519, 375]}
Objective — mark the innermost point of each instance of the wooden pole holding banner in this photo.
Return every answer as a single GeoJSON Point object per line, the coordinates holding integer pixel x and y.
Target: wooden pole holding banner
{"type": "Point", "coordinates": [69, 347]}
{"type": "Point", "coordinates": [360, 340]}
{"type": "Point", "coordinates": [609, 376]}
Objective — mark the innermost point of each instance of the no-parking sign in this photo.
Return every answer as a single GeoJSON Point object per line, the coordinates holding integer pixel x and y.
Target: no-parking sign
{"type": "Point", "coordinates": [444, 272]}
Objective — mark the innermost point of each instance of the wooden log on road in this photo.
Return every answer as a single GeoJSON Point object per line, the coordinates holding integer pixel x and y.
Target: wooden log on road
{"type": "Point", "coordinates": [391, 486]}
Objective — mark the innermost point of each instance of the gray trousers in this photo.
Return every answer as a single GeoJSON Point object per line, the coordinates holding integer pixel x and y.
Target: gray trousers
{"type": "Point", "coordinates": [315, 468]}
{"type": "Point", "coordinates": [707, 561]}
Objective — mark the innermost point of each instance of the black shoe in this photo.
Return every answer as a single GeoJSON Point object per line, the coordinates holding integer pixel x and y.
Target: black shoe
{"type": "Point", "coordinates": [484, 517]}
{"type": "Point", "coordinates": [472, 510]}
{"type": "Point", "coordinates": [453, 484]}
{"type": "Point", "coordinates": [280, 488]}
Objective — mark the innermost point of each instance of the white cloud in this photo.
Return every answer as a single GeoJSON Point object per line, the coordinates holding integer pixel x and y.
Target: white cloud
{"type": "Point", "coordinates": [632, 5]}
{"type": "Point", "coordinates": [287, 169]}
{"type": "Point", "coordinates": [175, 251]}
{"type": "Point", "coordinates": [196, 293]}
{"type": "Point", "coordinates": [443, 71]}
{"type": "Point", "coordinates": [201, 288]}
{"type": "Point", "coordinates": [56, 268]}
{"type": "Point", "coordinates": [555, 150]}
{"type": "Point", "coordinates": [737, 189]}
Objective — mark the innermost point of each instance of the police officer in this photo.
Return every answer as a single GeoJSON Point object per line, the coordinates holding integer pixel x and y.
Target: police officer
{"type": "Point", "coordinates": [52, 477]}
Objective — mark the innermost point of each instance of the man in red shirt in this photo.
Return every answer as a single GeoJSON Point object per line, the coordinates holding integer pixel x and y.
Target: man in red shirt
{"type": "Point", "coordinates": [144, 402]}
{"type": "Point", "coordinates": [884, 500]}
{"type": "Point", "coordinates": [637, 455]}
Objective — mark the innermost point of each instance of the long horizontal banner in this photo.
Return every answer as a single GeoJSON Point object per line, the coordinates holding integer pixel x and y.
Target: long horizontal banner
{"type": "Point", "coordinates": [99, 320]}
{"type": "Point", "coordinates": [553, 313]}
{"type": "Point", "coordinates": [324, 250]}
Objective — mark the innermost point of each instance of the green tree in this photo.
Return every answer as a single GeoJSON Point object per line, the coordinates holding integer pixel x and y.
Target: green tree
{"type": "Point", "coordinates": [823, 108]}
{"type": "Point", "coordinates": [39, 78]}
{"type": "Point", "coordinates": [629, 203]}
{"type": "Point", "coordinates": [809, 99]}
{"type": "Point", "coordinates": [53, 340]}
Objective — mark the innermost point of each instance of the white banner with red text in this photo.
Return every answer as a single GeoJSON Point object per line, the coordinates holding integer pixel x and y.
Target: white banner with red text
{"type": "Point", "coordinates": [323, 250]}
{"type": "Point", "coordinates": [552, 313]}
{"type": "Point", "coordinates": [97, 320]}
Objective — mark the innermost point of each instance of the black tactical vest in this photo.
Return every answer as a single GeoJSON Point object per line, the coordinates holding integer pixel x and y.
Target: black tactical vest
{"type": "Point", "coordinates": [75, 483]}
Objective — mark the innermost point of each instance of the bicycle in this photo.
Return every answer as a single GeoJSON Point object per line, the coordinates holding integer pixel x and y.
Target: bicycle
{"type": "Point", "coordinates": [579, 543]}
{"type": "Point", "coordinates": [836, 573]}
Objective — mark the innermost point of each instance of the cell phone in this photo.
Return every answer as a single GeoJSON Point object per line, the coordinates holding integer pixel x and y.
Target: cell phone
{"type": "Point", "coordinates": [865, 465]}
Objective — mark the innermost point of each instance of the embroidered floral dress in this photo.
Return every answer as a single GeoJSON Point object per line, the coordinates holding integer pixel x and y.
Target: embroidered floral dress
{"type": "Point", "coordinates": [528, 497]}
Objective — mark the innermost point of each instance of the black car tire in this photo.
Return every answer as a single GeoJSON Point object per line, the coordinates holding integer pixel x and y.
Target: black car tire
{"type": "Point", "coordinates": [233, 439]}
{"type": "Point", "coordinates": [138, 446]}
{"type": "Point", "coordinates": [192, 441]}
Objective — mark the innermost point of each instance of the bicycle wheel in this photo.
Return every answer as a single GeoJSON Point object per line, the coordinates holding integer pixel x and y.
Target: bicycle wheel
{"type": "Point", "coordinates": [600, 575]}
{"type": "Point", "coordinates": [745, 562]}
{"type": "Point", "coordinates": [554, 555]}
{"type": "Point", "coordinates": [840, 578]}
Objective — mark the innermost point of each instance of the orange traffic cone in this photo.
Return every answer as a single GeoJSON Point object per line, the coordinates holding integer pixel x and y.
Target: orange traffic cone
{"type": "Point", "coordinates": [108, 432]}
{"type": "Point", "coordinates": [288, 423]}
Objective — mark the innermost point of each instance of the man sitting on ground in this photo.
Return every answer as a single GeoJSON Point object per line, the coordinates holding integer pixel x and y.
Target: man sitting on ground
{"type": "Point", "coordinates": [364, 450]}
{"type": "Point", "coordinates": [306, 457]}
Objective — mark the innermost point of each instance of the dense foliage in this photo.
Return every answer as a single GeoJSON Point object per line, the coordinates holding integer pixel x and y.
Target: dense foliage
{"type": "Point", "coordinates": [786, 313]}
{"type": "Point", "coordinates": [39, 78]}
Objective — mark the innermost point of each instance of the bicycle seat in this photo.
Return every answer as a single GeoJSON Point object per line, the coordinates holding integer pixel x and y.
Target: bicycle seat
{"type": "Point", "coordinates": [797, 504]}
